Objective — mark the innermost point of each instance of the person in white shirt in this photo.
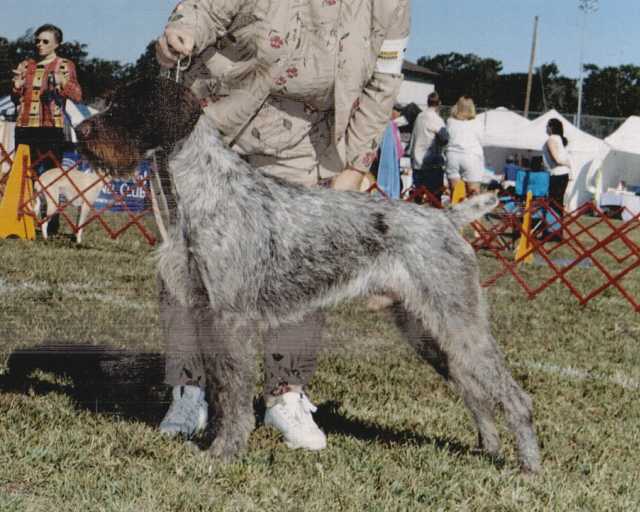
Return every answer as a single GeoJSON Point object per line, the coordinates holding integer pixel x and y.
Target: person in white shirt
{"type": "Point", "coordinates": [428, 139]}
{"type": "Point", "coordinates": [556, 160]}
{"type": "Point", "coordinates": [465, 158]}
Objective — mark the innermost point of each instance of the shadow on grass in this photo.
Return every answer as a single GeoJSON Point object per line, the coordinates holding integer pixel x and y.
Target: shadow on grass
{"type": "Point", "coordinates": [333, 421]}
{"type": "Point", "coordinates": [103, 379]}
{"type": "Point", "coordinates": [106, 380]}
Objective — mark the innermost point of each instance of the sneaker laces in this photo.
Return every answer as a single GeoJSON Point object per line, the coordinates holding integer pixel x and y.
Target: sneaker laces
{"type": "Point", "coordinates": [298, 410]}
{"type": "Point", "coordinates": [307, 406]}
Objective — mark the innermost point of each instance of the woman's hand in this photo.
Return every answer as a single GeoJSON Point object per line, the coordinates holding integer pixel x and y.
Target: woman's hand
{"type": "Point", "coordinates": [353, 179]}
{"type": "Point", "coordinates": [173, 45]}
{"type": "Point", "coordinates": [349, 179]}
{"type": "Point", "coordinates": [61, 80]}
{"type": "Point", "coordinates": [18, 79]}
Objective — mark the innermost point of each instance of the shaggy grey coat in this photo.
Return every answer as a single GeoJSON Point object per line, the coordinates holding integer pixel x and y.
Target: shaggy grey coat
{"type": "Point", "coordinates": [263, 251]}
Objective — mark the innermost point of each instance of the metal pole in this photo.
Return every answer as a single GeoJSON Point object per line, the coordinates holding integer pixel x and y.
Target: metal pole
{"type": "Point", "coordinates": [531, 63]}
{"type": "Point", "coordinates": [581, 70]}
{"type": "Point", "coordinates": [586, 6]}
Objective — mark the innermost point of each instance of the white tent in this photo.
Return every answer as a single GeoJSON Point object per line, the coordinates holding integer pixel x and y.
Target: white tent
{"type": "Point", "coordinates": [498, 127]}
{"type": "Point", "coordinates": [536, 135]}
{"type": "Point", "coordinates": [7, 107]}
{"type": "Point", "coordinates": [583, 148]}
{"type": "Point", "coordinates": [618, 160]}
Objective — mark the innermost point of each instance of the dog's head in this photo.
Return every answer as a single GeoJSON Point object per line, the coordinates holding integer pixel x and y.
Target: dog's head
{"type": "Point", "coordinates": [144, 115]}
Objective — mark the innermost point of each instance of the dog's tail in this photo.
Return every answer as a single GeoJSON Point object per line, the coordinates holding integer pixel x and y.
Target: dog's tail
{"type": "Point", "coordinates": [472, 209]}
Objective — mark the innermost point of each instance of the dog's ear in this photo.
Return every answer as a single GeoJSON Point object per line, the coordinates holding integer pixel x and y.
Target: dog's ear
{"type": "Point", "coordinates": [164, 111]}
{"type": "Point", "coordinates": [179, 111]}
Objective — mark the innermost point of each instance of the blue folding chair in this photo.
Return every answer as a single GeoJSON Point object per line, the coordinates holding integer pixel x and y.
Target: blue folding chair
{"type": "Point", "coordinates": [536, 182]}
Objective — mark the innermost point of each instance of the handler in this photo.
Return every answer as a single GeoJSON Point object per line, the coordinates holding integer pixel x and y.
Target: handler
{"type": "Point", "coordinates": [304, 91]}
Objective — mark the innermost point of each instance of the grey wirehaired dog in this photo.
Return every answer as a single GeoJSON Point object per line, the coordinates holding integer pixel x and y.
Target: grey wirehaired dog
{"type": "Point", "coordinates": [263, 251]}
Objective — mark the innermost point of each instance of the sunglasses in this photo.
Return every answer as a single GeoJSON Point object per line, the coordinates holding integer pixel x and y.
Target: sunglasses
{"type": "Point", "coordinates": [43, 41]}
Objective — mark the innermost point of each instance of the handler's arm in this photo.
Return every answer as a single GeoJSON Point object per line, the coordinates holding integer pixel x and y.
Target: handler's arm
{"type": "Point", "coordinates": [375, 104]}
{"type": "Point", "coordinates": [193, 26]}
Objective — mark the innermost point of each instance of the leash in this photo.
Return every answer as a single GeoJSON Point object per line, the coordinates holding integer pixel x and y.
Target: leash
{"type": "Point", "coordinates": [163, 194]}
{"type": "Point", "coordinates": [180, 68]}
{"type": "Point", "coordinates": [159, 205]}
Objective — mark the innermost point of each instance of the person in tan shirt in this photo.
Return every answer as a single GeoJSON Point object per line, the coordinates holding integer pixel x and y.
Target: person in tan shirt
{"type": "Point", "coordinates": [303, 89]}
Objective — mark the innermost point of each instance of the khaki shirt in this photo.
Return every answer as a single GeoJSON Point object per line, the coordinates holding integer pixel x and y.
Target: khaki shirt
{"type": "Point", "coordinates": [336, 56]}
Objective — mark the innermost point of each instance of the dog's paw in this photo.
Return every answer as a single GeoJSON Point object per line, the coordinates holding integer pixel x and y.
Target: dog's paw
{"type": "Point", "coordinates": [225, 450]}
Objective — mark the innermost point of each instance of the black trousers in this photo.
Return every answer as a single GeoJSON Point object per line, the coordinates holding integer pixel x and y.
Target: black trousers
{"type": "Point", "coordinates": [42, 141]}
{"type": "Point", "coordinates": [430, 176]}
{"type": "Point", "coordinates": [290, 351]}
{"type": "Point", "coordinates": [557, 188]}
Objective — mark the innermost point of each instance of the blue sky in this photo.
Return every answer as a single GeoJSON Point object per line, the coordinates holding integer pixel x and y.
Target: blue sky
{"type": "Point", "coordinates": [502, 29]}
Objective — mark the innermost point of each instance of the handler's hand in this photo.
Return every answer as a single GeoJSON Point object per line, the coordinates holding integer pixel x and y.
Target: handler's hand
{"type": "Point", "coordinates": [351, 179]}
{"type": "Point", "coordinates": [174, 44]}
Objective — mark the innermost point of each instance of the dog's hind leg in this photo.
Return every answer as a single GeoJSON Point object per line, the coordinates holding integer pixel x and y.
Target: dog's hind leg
{"type": "Point", "coordinates": [466, 353]}
{"type": "Point", "coordinates": [518, 409]}
{"type": "Point", "coordinates": [230, 365]}
{"type": "Point", "coordinates": [475, 397]}
{"type": "Point", "coordinates": [483, 368]}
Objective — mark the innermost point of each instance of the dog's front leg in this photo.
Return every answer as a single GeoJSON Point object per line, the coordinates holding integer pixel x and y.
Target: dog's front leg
{"type": "Point", "coordinates": [173, 267]}
{"type": "Point", "coordinates": [230, 366]}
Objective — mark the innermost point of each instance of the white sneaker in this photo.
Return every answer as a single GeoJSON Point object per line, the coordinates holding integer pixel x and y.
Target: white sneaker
{"type": "Point", "coordinates": [187, 414]}
{"type": "Point", "coordinates": [291, 415]}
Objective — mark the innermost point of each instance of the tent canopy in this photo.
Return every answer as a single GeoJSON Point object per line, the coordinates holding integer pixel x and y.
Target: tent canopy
{"type": "Point", "coordinates": [498, 126]}
{"type": "Point", "coordinates": [627, 137]}
{"type": "Point", "coordinates": [618, 160]}
{"type": "Point", "coordinates": [7, 108]}
{"type": "Point", "coordinates": [530, 136]}
{"type": "Point", "coordinates": [533, 135]}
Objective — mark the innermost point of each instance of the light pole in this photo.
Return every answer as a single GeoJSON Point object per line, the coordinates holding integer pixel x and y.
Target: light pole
{"type": "Point", "coordinates": [586, 6]}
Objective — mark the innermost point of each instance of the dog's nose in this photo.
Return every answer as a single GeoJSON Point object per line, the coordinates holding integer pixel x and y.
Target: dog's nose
{"type": "Point", "coordinates": [83, 130]}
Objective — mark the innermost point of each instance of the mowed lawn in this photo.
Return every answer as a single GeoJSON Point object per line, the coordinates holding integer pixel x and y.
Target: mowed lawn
{"type": "Point", "coordinates": [78, 427]}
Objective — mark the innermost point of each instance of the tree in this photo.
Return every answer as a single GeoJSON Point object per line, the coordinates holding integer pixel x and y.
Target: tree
{"type": "Point", "coordinates": [549, 90]}
{"type": "Point", "coordinates": [612, 91]}
{"type": "Point", "coordinates": [464, 74]}
{"type": "Point", "coordinates": [146, 65]}
{"type": "Point", "coordinates": [481, 78]}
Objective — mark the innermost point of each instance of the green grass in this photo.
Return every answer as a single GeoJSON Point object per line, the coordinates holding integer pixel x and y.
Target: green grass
{"type": "Point", "coordinates": [399, 439]}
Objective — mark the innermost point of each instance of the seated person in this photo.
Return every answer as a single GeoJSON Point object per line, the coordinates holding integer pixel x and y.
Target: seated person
{"type": "Point", "coordinates": [537, 164]}
{"type": "Point", "coordinates": [510, 169]}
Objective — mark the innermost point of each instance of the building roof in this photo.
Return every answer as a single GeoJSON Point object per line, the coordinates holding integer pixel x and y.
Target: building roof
{"type": "Point", "coordinates": [412, 70]}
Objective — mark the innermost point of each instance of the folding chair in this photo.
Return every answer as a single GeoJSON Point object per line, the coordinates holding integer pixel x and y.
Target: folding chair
{"type": "Point", "coordinates": [513, 205]}
{"type": "Point", "coordinates": [537, 182]}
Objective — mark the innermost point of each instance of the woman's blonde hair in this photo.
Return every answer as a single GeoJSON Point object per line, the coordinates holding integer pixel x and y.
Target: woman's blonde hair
{"type": "Point", "coordinates": [464, 109]}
